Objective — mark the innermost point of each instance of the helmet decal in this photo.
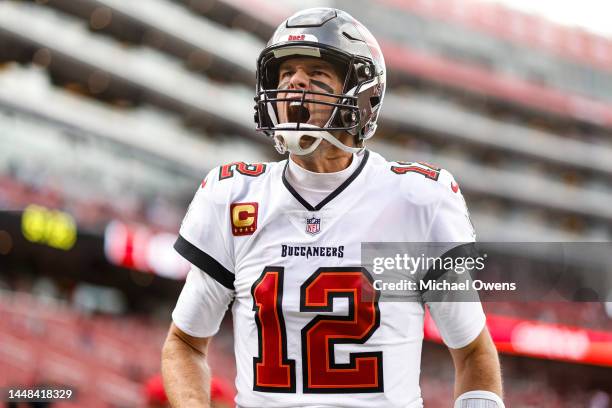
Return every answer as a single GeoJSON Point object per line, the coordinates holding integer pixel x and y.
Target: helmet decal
{"type": "Point", "coordinates": [301, 37]}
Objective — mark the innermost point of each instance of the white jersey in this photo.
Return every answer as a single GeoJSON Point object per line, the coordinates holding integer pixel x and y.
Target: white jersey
{"type": "Point", "coordinates": [307, 333]}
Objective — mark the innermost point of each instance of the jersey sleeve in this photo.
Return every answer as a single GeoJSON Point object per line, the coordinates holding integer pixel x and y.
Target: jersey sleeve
{"type": "Point", "coordinates": [202, 240]}
{"type": "Point", "coordinates": [451, 220]}
{"type": "Point", "coordinates": [201, 304]}
{"type": "Point", "coordinates": [459, 322]}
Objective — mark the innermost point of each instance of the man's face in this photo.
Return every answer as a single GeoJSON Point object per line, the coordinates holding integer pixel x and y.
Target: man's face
{"type": "Point", "coordinates": [310, 74]}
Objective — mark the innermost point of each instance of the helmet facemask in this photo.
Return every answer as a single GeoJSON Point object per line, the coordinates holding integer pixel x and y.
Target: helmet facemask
{"type": "Point", "coordinates": [289, 114]}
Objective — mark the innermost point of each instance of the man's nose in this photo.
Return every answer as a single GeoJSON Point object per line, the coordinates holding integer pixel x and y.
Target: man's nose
{"type": "Point", "coordinates": [299, 80]}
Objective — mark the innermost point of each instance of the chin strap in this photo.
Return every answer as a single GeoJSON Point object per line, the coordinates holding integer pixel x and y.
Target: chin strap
{"type": "Point", "coordinates": [289, 140]}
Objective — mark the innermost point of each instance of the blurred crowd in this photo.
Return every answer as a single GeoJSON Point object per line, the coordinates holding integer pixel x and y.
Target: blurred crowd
{"type": "Point", "coordinates": [108, 360]}
{"type": "Point", "coordinates": [592, 315]}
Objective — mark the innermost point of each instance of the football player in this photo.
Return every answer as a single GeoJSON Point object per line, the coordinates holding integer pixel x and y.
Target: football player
{"type": "Point", "coordinates": [282, 241]}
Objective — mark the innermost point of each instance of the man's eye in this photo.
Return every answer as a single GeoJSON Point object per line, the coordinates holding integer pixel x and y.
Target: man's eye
{"type": "Point", "coordinates": [318, 73]}
{"type": "Point", "coordinates": [286, 74]}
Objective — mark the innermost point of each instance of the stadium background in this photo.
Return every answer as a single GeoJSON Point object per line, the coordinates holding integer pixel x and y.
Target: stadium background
{"type": "Point", "coordinates": [112, 111]}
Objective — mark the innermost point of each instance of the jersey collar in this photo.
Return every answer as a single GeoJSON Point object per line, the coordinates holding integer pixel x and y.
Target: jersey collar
{"type": "Point", "coordinates": [333, 194]}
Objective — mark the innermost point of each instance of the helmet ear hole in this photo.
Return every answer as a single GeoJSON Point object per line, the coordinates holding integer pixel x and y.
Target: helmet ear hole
{"type": "Point", "coordinates": [374, 101]}
{"type": "Point", "coordinates": [364, 72]}
{"type": "Point", "coordinates": [349, 118]}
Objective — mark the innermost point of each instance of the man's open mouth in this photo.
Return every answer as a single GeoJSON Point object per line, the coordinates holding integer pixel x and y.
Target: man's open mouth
{"type": "Point", "coordinates": [297, 112]}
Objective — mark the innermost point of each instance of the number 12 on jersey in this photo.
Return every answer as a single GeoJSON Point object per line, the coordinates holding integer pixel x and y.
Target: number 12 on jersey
{"type": "Point", "coordinates": [275, 372]}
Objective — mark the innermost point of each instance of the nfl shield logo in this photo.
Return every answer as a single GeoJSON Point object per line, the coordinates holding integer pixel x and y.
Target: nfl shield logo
{"type": "Point", "coordinates": [313, 225]}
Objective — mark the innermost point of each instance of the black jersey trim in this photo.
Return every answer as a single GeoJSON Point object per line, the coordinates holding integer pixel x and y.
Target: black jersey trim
{"type": "Point", "coordinates": [205, 262]}
{"type": "Point", "coordinates": [293, 192]}
{"type": "Point", "coordinates": [333, 194]}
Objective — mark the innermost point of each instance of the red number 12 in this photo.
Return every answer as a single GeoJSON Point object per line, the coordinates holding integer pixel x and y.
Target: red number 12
{"type": "Point", "coordinates": [274, 372]}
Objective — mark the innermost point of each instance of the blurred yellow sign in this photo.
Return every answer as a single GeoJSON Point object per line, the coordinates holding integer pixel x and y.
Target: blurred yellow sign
{"type": "Point", "coordinates": [54, 228]}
